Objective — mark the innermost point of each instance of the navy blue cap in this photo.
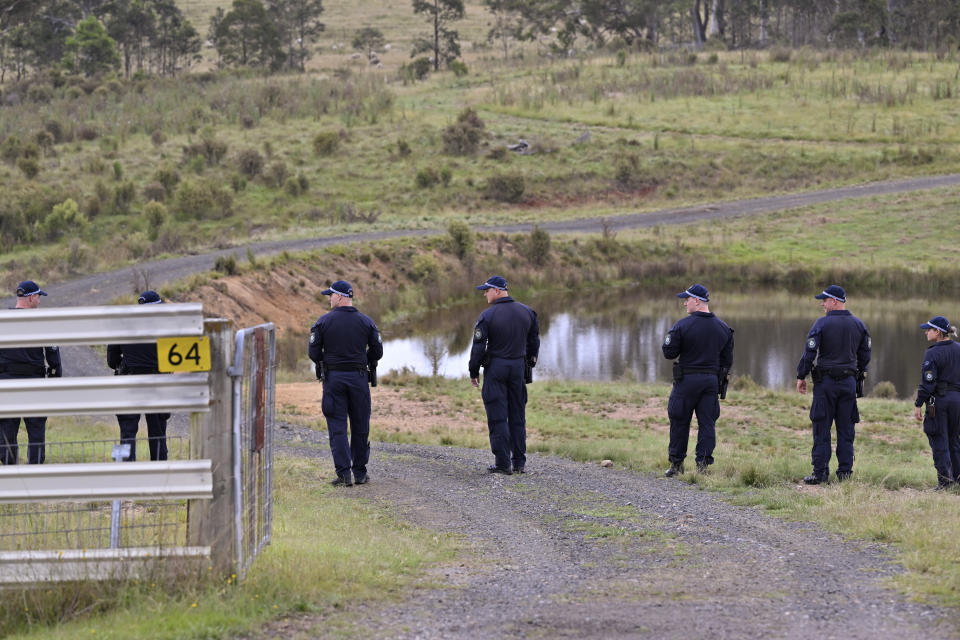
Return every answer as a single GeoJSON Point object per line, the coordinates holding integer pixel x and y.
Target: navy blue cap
{"type": "Point", "coordinates": [937, 322]}
{"type": "Point", "coordinates": [494, 282]}
{"type": "Point", "coordinates": [340, 286]}
{"type": "Point", "coordinates": [697, 291]}
{"type": "Point", "coordinates": [833, 291]}
{"type": "Point", "coordinates": [149, 297]}
{"type": "Point", "coordinates": [29, 288]}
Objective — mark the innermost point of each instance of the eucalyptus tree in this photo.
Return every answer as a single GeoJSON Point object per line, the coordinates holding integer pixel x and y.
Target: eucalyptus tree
{"type": "Point", "coordinates": [444, 42]}
{"type": "Point", "coordinates": [298, 25]}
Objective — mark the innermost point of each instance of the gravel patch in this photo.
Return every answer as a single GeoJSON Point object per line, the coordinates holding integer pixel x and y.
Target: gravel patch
{"type": "Point", "coordinates": [572, 550]}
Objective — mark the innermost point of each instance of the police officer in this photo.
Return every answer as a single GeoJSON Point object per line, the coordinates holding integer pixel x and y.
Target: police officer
{"type": "Point", "coordinates": [140, 359]}
{"type": "Point", "coordinates": [940, 390]}
{"type": "Point", "coordinates": [27, 362]}
{"type": "Point", "coordinates": [703, 346]}
{"type": "Point", "coordinates": [836, 356]}
{"type": "Point", "coordinates": [506, 343]}
{"type": "Point", "coordinates": [345, 345]}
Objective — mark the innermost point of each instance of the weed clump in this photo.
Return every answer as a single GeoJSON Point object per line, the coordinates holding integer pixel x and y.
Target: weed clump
{"type": "Point", "coordinates": [158, 137]}
{"type": "Point", "coordinates": [461, 238]}
{"type": "Point", "coordinates": [168, 177]}
{"type": "Point", "coordinates": [199, 200]}
{"type": "Point", "coordinates": [155, 192]}
{"type": "Point", "coordinates": [250, 163]}
{"type": "Point", "coordinates": [29, 166]}
{"type": "Point", "coordinates": [427, 177]}
{"type": "Point", "coordinates": [538, 249]}
{"type": "Point", "coordinates": [326, 143]}
{"type": "Point", "coordinates": [156, 215]}
{"type": "Point", "coordinates": [226, 265]}
{"type": "Point", "coordinates": [884, 389]}
{"type": "Point", "coordinates": [277, 173]}
{"type": "Point", "coordinates": [87, 132]}
{"type": "Point", "coordinates": [505, 188]}
{"type": "Point", "coordinates": [463, 137]}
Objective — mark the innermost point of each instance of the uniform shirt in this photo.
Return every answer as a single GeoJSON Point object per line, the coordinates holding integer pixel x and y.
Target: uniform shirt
{"type": "Point", "coordinates": [34, 356]}
{"type": "Point", "coordinates": [838, 340]}
{"type": "Point", "coordinates": [135, 356]}
{"type": "Point", "coordinates": [941, 363]}
{"type": "Point", "coordinates": [345, 336]}
{"type": "Point", "coordinates": [701, 340]}
{"type": "Point", "coordinates": [505, 329]}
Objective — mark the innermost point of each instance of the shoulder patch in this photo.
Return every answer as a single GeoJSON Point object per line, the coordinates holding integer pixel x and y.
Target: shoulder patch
{"type": "Point", "coordinates": [667, 340]}
{"type": "Point", "coordinates": [313, 337]}
{"type": "Point", "coordinates": [379, 338]}
{"type": "Point", "coordinates": [928, 376]}
{"type": "Point", "coordinates": [477, 335]}
{"type": "Point", "coordinates": [811, 344]}
{"type": "Point", "coordinates": [869, 343]}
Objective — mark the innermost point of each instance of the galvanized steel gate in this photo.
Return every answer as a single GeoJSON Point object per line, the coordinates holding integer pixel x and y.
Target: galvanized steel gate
{"type": "Point", "coordinates": [216, 504]}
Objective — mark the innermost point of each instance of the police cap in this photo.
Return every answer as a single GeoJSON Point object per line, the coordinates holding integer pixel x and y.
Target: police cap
{"type": "Point", "coordinates": [697, 291]}
{"type": "Point", "coordinates": [340, 286]}
{"type": "Point", "coordinates": [834, 291]}
{"type": "Point", "coordinates": [937, 322]}
{"type": "Point", "coordinates": [149, 297]}
{"type": "Point", "coordinates": [29, 288]}
{"type": "Point", "coordinates": [494, 282]}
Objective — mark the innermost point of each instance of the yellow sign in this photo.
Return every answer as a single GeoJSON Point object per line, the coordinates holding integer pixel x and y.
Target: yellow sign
{"type": "Point", "coordinates": [183, 354]}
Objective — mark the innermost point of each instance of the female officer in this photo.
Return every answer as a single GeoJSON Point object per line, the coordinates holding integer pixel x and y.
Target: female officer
{"type": "Point", "coordinates": [940, 390]}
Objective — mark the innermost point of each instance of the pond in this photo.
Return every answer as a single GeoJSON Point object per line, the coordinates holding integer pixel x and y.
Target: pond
{"type": "Point", "coordinates": [616, 335]}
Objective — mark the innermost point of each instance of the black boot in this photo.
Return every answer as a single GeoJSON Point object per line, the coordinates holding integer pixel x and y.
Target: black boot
{"type": "Point", "coordinates": [815, 479]}
{"type": "Point", "coordinates": [676, 468]}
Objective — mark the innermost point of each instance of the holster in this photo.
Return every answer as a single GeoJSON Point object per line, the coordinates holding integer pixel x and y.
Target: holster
{"type": "Point", "coordinates": [932, 406]}
{"type": "Point", "coordinates": [861, 376]}
{"type": "Point", "coordinates": [677, 372]}
{"type": "Point", "coordinates": [318, 370]}
{"type": "Point", "coordinates": [372, 374]}
{"type": "Point", "coordinates": [816, 374]}
{"type": "Point", "coordinates": [527, 373]}
{"type": "Point", "coordinates": [724, 379]}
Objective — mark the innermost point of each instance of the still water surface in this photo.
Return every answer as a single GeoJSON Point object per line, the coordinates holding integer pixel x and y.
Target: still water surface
{"type": "Point", "coordinates": [616, 335]}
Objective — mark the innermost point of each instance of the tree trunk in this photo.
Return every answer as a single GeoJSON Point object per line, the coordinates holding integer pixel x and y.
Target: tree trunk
{"type": "Point", "coordinates": [716, 24]}
{"type": "Point", "coordinates": [697, 25]}
{"type": "Point", "coordinates": [764, 23]}
{"type": "Point", "coordinates": [436, 35]}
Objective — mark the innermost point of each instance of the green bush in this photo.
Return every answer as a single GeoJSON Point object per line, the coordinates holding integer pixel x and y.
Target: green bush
{"type": "Point", "coordinates": [461, 238]}
{"type": "Point", "coordinates": [446, 175]}
{"type": "Point", "coordinates": [10, 149]}
{"type": "Point", "coordinates": [427, 177]}
{"type": "Point", "coordinates": [403, 148]}
{"type": "Point", "coordinates": [884, 389]}
{"type": "Point", "coordinates": [156, 215]}
{"type": "Point", "coordinates": [425, 268]}
{"type": "Point", "coordinates": [93, 207]}
{"type": "Point", "coordinates": [29, 166]}
{"type": "Point", "coordinates": [417, 70]}
{"type": "Point", "coordinates": [87, 132]}
{"type": "Point", "coordinates": [197, 200]}
{"type": "Point", "coordinates": [209, 148]}
{"type": "Point", "coordinates": [250, 163]}
{"type": "Point", "coordinates": [117, 170]}
{"type": "Point", "coordinates": [123, 196]}
{"type": "Point", "coordinates": [505, 188]}
{"type": "Point", "coordinates": [44, 140]}
{"type": "Point", "coordinates": [539, 247]}
{"type": "Point", "coordinates": [158, 137]}
{"type": "Point", "coordinates": [459, 68]}
{"type": "Point", "coordinates": [326, 143]}
{"type": "Point", "coordinates": [277, 173]}
{"type": "Point", "coordinates": [292, 187]}
{"type": "Point", "coordinates": [155, 192]}
{"type": "Point", "coordinates": [463, 136]}
{"type": "Point", "coordinates": [168, 177]}
{"type": "Point", "coordinates": [303, 182]}
{"type": "Point", "coordinates": [226, 265]}
{"type": "Point", "coordinates": [368, 39]}
{"type": "Point", "coordinates": [40, 93]}
{"type": "Point", "coordinates": [65, 219]}
{"type": "Point", "coordinates": [238, 183]}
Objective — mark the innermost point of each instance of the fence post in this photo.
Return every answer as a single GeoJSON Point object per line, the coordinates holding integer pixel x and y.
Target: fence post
{"type": "Point", "coordinates": [212, 522]}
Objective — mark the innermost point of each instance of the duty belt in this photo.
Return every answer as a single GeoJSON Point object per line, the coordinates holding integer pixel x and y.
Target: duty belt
{"type": "Point", "coordinates": [709, 370]}
{"type": "Point", "coordinates": [346, 367]}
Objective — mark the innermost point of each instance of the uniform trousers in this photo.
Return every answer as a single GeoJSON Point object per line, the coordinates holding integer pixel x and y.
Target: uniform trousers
{"type": "Point", "coordinates": [943, 434]}
{"type": "Point", "coordinates": [36, 439]}
{"type": "Point", "coordinates": [695, 392]}
{"type": "Point", "coordinates": [505, 400]}
{"type": "Point", "coordinates": [346, 395]}
{"type": "Point", "coordinates": [156, 432]}
{"type": "Point", "coordinates": [834, 401]}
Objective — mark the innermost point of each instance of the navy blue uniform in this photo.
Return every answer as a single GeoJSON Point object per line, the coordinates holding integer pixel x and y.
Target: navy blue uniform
{"type": "Point", "coordinates": [837, 347]}
{"type": "Point", "coordinates": [26, 362]}
{"type": "Point", "coordinates": [703, 345]}
{"type": "Point", "coordinates": [940, 390]}
{"type": "Point", "coordinates": [345, 341]}
{"type": "Point", "coordinates": [506, 338]}
{"type": "Point", "coordinates": [139, 359]}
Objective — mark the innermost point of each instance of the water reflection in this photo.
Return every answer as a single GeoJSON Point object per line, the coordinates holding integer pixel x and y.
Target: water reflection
{"type": "Point", "coordinates": [618, 336]}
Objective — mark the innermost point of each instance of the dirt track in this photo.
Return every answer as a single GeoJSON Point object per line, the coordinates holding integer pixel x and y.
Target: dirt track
{"type": "Point", "coordinates": [573, 550]}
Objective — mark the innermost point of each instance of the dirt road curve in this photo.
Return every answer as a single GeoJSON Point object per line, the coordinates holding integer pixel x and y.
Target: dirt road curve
{"type": "Point", "coordinates": [103, 287]}
{"type": "Point", "coordinates": [572, 550]}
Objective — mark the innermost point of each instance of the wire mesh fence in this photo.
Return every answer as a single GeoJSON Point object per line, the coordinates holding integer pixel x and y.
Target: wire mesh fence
{"type": "Point", "coordinates": [178, 448]}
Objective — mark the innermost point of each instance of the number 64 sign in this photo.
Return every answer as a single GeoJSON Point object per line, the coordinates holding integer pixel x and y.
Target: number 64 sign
{"type": "Point", "coordinates": [183, 354]}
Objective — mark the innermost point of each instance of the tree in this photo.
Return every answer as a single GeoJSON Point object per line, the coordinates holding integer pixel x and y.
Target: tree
{"type": "Point", "coordinates": [368, 39]}
{"type": "Point", "coordinates": [298, 24]}
{"type": "Point", "coordinates": [445, 43]}
{"type": "Point", "coordinates": [507, 23]}
{"type": "Point", "coordinates": [246, 36]}
{"type": "Point", "coordinates": [90, 50]}
{"type": "Point", "coordinates": [131, 23]}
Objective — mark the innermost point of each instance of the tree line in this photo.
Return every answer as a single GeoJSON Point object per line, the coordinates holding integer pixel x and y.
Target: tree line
{"type": "Point", "coordinates": [154, 37]}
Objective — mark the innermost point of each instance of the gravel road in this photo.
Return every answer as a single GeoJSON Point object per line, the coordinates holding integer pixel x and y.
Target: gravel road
{"type": "Point", "coordinates": [573, 550]}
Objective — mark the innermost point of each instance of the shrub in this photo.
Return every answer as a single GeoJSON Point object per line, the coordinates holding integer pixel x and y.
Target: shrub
{"type": "Point", "coordinates": [158, 137]}
{"type": "Point", "coordinates": [103, 191]}
{"type": "Point", "coordinates": [250, 162]}
{"type": "Point", "coordinates": [463, 136]}
{"type": "Point", "coordinates": [418, 69]}
{"type": "Point", "coordinates": [238, 183]}
{"type": "Point", "coordinates": [780, 54]}
{"type": "Point", "coordinates": [403, 148]}
{"type": "Point", "coordinates": [10, 149]}
{"type": "Point", "coordinates": [156, 215]}
{"type": "Point", "coordinates": [123, 196]}
{"type": "Point", "coordinates": [196, 200]}
{"type": "Point", "coordinates": [277, 173]}
{"type": "Point", "coordinates": [326, 143]}
{"type": "Point", "coordinates": [505, 188]}
{"type": "Point", "coordinates": [884, 389]}
{"type": "Point", "coordinates": [65, 218]}
{"type": "Point", "coordinates": [226, 265]}
{"type": "Point", "coordinates": [303, 182]}
{"type": "Point", "coordinates": [446, 175]}
{"type": "Point", "coordinates": [208, 148]}
{"type": "Point", "coordinates": [427, 177]}
{"type": "Point", "coordinates": [168, 177]}
{"type": "Point", "coordinates": [117, 170]}
{"type": "Point", "coordinates": [459, 69]}
{"type": "Point", "coordinates": [539, 247]}
{"type": "Point", "coordinates": [247, 121]}
{"type": "Point", "coordinates": [425, 268]}
{"type": "Point", "coordinates": [30, 151]}
{"type": "Point", "coordinates": [29, 166]}
{"type": "Point", "coordinates": [292, 187]}
{"type": "Point", "coordinates": [621, 58]}
{"type": "Point", "coordinates": [461, 238]}
{"type": "Point", "coordinates": [93, 206]}
{"type": "Point", "coordinates": [87, 132]}
{"type": "Point", "coordinates": [55, 129]}
{"type": "Point", "coordinates": [40, 93]}
{"type": "Point", "coordinates": [368, 39]}
{"type": "Point", "coordinates": [155, 192]}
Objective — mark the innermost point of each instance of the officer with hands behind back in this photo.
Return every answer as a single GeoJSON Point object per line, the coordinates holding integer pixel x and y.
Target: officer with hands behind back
{"type": "Point", "coordinates": [27, 362]}
{"type": "Point", "coordinates": [506, 343]}
{"type": "Point", "coordinates": [836, 356]}
{"type": "Point", "coordinates": [703, 346]}
{"type": "Point", "coordinates": [345, 345]}
{"type": "Point", "coordinates": [140, 359]}
{"type": "Point", "coordinates": [940, 390]}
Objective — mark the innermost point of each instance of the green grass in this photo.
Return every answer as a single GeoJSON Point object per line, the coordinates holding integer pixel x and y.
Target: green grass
{"type": "Point", "coordinates": [763, 452]}
{"type": "Point", "coordinates": [306, 568]}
